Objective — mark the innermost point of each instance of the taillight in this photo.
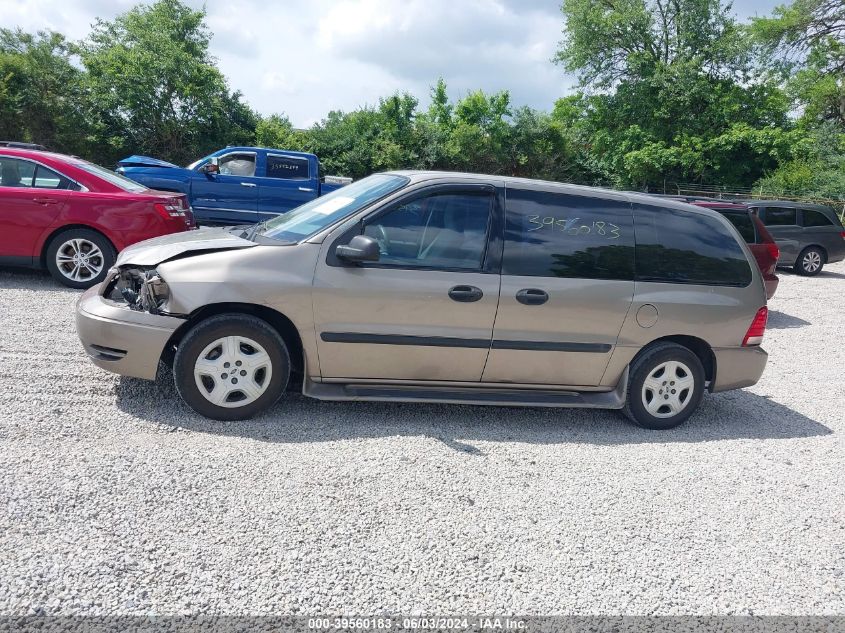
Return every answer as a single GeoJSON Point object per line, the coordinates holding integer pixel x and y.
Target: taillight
{"type": "Point", "coordinates": [754, 335]}
{"type": "Point", "coordinates": [169, 210]}
{"type": "Point", "coordinates": [842, 235]}
{"type": "Point", "coordinates": [774, 251]}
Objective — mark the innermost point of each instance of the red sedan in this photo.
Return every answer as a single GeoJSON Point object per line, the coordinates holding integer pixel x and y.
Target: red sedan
{"type": "Point", "coordinates": [73, 217]}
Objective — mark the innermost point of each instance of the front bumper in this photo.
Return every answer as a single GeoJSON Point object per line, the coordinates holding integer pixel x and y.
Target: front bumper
{"type": "Point", "coordinates": [121, 340]}
{"type": "Point", "coordinates": [738, 367]}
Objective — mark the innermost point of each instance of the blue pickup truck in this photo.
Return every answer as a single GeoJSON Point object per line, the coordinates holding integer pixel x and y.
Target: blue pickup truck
{"type": "Point", "coordinates": [237, 185]}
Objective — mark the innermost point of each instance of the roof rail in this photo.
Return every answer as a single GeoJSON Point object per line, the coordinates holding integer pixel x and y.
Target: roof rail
{"type": "Point", "coordinates": [22, 145]}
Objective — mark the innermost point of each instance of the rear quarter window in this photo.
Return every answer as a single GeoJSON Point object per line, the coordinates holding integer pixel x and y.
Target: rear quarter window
{"type": "Point", "coordinates": [675, 246]}
{"type": "Point", "coordinates": [811, 217]}
{"type": "Point", "coordinates": [743, 223]}
{"type": "Point", "coordinates": [549, 234]}
{"type": "Point", "coordinates": [48, 179]}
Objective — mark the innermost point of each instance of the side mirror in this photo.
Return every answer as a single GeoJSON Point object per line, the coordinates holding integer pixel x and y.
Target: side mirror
{"type": "Point", "coordinates": [211, 168]}
{"type": "Point", "coordinates": [361, 248]}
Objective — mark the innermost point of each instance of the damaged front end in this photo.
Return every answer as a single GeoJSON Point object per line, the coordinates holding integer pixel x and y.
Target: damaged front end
{"type": "Point", "coordinates": [141, 288]}
{"type": "Point", "coordinates": [135, 281]}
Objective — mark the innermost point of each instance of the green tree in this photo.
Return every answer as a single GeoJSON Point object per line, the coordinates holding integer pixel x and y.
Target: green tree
{"type": "Point", "coordinates": [432, 129]}
{"type": "Point", "coordinates": [276, 131]}
{"type": "Point", "coordinates": [816, 169]}
{"type": "Point", "coordinates": [478, 138]}
{"type": "Point", "coordinates": [807, 38]}
{"type": "Point", "coordinates": [440, 110]}
{"type": "Point", "coordinates": [350, 143]}
{"type": "Point", "coordinates": [41, 98]}
{"type": "Point", "coordinates": [681, 126]}
{"type": "Point", "coordinates": [669, 94]}
{"type": "Point", "coordinates": [369, 139]}
{"type": "Point", "coordinates": [542, 146]}
{"type": "Point", "coordinates": [613, 40]}
{"type": "Point", "coordinates": [155, 89]}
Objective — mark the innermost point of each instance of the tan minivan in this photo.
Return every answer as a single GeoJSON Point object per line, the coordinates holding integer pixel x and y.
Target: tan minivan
{"type": "Point", "coordinates": [443, 287]}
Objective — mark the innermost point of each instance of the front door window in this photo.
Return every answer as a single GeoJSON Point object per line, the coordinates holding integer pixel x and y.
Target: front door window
{"type": "Point", "coordinates": [242, 165]}
{"type": "Point", "coordinates": [16, 173]}
{"type": "Point", "coordinates": [441, 231]}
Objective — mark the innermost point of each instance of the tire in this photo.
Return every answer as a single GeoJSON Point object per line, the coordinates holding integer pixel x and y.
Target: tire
{"type": "Point", "coordinates": [810, 261]}
{"type": "Point", "coordinates": [205, 358]}
{"type": "Point", "coordinates": [673, 358]}
{"type": "Point", "coordinates": [80, 258]}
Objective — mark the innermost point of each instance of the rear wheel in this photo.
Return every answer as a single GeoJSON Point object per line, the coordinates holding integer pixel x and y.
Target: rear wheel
{"type": "Point", "coordinates": [231, 367]}
{"type": "Point", "coordinates": [80, 258]}
{"type": "Point", "coordinates": [665, 386]}
{"type": "Point", "coordinates": [810, 261]}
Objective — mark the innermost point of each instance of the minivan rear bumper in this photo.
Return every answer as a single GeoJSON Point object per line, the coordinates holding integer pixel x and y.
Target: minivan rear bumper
{"type": "Point", "coordinates": [771, 283]}
{"type": "Point", "coordinates": [738, 367]}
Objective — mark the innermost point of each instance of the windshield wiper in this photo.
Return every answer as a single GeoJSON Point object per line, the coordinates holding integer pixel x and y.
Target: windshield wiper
{"type": "Point", "coordinates": [255, 229]}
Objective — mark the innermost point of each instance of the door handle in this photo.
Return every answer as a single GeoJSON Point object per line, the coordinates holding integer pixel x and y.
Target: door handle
{"type": "Point", "coordinates": [465, 294]}
{"type": "Point", "coordinates": [532, 296]}
{"type": "Point", "coordinates": [308, 189]}
{"type": "Point", "coordinates": [248, 184]}
{"type": "Point", "coordinates": [45, 201]}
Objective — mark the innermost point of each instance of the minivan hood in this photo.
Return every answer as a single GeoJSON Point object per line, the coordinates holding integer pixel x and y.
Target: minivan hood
{"type": "Point", "coordinates": [160, 249]}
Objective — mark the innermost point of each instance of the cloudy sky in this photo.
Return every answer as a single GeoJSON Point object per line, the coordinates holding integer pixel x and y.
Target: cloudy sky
{"type": "Point", "coordinates": [306, 57]}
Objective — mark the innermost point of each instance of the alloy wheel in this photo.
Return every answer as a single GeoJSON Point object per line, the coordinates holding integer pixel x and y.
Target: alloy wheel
{"type": "Point", "coordinates": [812, 261]}
{"type": "Point", "coordinates": [79, 260]}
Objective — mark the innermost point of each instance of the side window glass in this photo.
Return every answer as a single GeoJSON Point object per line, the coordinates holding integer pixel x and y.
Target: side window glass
{"type": "Point", "coordinates": [677, 246]}
{"type": "Point", "coordinates": [560, 235]}
{"type": "Point", "coordinates": [779, 216]}
{"type": "Point", "coordinates": [742, 221]}
{"type": "Point", "coordinates": [446, 231]}
{"type": "Point", "coordinates": [16, 173]}
{"type": "Point", "coordinates": [238, 165]}
{"type": "Point", "coordinates": [815, 218]}
{"type": "Point", "coordinates": [48, 179]}
{"type": "Point", "coordinates": [287, 167]}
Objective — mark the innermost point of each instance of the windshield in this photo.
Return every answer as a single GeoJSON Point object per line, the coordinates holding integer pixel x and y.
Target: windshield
{"type": "Point", "coordinates": [116, 179]}
{"type": "Point", "coordinates": [316, 215]}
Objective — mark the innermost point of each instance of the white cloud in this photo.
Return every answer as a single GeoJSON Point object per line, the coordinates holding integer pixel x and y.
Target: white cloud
{"type": "Point", "coordinates": [306, 57]}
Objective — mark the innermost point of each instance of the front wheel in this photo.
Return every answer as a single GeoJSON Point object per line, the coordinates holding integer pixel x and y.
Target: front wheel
{"type": "Point", "coordinates": [231, 367]}
{"type": "Point", "coordinates": [665, 387]}
{"type": "Point", "coordinates": [810, 261]}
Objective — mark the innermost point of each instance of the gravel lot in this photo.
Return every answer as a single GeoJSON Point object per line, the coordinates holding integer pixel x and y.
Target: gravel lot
{"type": "Point", "coordinates": [117, 499]}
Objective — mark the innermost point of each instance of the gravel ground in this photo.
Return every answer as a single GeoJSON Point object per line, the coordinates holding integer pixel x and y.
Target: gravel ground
{"type": "Point", "coordinates": [117, 499]}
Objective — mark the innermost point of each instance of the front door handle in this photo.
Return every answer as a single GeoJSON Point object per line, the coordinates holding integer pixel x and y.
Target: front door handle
{"type": "Point", "coordinates": [248, 184]}
{"type": "Point", "coordinates": [45, 201]}
{"type": "Point", "coordinates": [465, 294]}
{"type": "Point", "coordinates": [532, 296]}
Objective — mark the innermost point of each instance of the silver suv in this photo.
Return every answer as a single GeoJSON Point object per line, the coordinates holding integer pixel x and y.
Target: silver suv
{"type": "Point", "coordinates": [441, 287]}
